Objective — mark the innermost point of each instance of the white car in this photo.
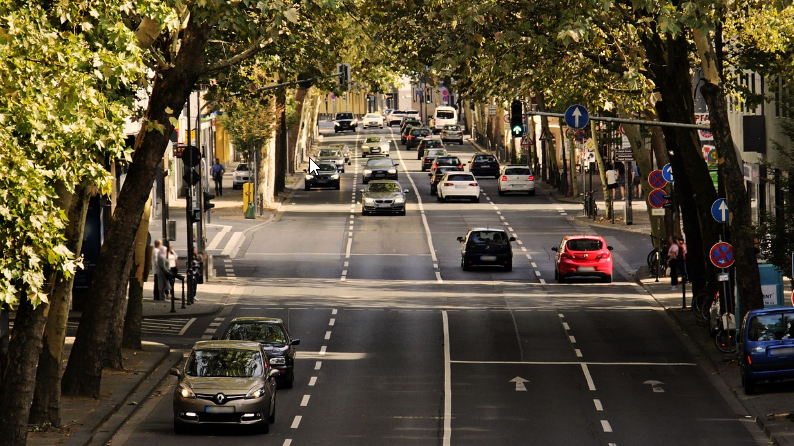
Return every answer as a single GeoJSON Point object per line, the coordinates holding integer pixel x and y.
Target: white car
{"type": "Point", "coordinates": [452, 133]}
{"type": "Point", "coordinates": [375, 145]}
{"type": "Point", "coordinates": [372, 120]}
{"type": "Point", "coordinates": [516, 179]}
{"type": "Point", "coordinates": [241, 175]}
{"type": "Point", "coordinates": [458, 185]}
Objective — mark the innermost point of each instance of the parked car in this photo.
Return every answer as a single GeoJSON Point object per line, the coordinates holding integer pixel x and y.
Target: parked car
{"type": "Point", "coordinates": [458, 185]}
{"type": "Point", "coordinates": [430, 156]}
{"type": "Point", "coordinates": [583, 256]}
{"type": "Point", "coordinates": [372, 120]}
{"type": "Point", "coordinates": [375, 145]}
{"type": "Point", "coordinates": [415, 136]}
{"type": "Point", "coordinates": [383, 196]}
{"type": "Point", "coordinates": [452, 133]}
{"type": "Point", "coordinates": [381, 168]}
{"type": "Point", "coordinates": [273, 336]}
{"type": "Point", "coordinates": [332, 156]}
{"type": "Point", "coordinates": [223, 383]}
{"type": "Point", "coordinates": [438, 173]}
{"type": "Point", "coordinates": [325, 176]}
{"type": "Point", "coordinates": [345, 121]}
{"type": "Point", "coordinates": [484, 165]}
{"type": "Point", "coordinates": [428, 143]}
{"type": "Point", "coordinates": [767, 340]}
{"type": "Point", "coordinates": [516, 179]}
{"type": "Point", "coordinates": [240, 175]}
{"type": "Point", "coordinates": [446, 161]}
{"type": "Point", "coordinates": [344, 148]}
{"type": "Point", "coordinates": [486, 247]}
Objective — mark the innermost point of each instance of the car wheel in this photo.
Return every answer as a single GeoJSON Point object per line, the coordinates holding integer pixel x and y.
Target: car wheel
{"type": "Point", "coordinates": [501, 192]}
{"type": "Point", "coordinates": [560, 278]}
{"type": "Point", "coordinates": [179, 427]}
{"type": "Point", "coordinates": [263, 428]}
{"type": "Point", "coordinates": [402, 212]}
{"type": "Point", "coordinates": [509, 266]}
{"type": "Point", "coordinates": [464, 265]}
{"type": "Point", "coordinates": [475, 199]}
{"type": "Point", "coordinates": [307, 187]}
{"type": "Point", "coordinates": [366, 181]}
{"type": "Point", "coordinates": [749, 385]}
{"type": "Point", "coordinates": [433, 191]}
{"type": "Point", "coordinates": [272, 418]}
{"type": "Point", "coordinates": [363, 155]}
{"type": "Point", "coordinates": [556, 274]}
{"type": "Point", "coordinates": [423, 169]}
{"type": "Point", "coordinates": [438, 197]}
{"type": "Point", "coordinates": [607, 279]}
{"type": "Point", "coordinates": [337, 186]}
{"type": "Point", "coordinates": [461, 142]}
{"type": "Point", "coordinates": [496, 177]}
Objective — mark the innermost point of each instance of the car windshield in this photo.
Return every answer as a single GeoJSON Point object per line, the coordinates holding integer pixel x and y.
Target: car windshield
{"type": "Point", "coordinates": [489, 237]}
{"type": "Point", "coordinates": [263, 333]}
{"type": "Point", "coordinates": [330, 152]}
{"type": "Point", "coordinates": [452, 127]}
{"type": "Point", "coordinates": [381, 162]}
{"type": "Point", "coordinates": [224, 362]}
{"type": "Point", "coordinates": [584, 244]}
{"type": "Point", "coordinates": [770, 327]}
{"type": "Point", "coordinates": [460, 177]}
{"type": "Point", "coordinates": [344, 116]}
{"type": "Point", "coordinates": [338, 146]}
{"type": "Point", "coordinates": [326, 167]}
{"type": "Point", "coordinates": [445, 114]}
{"type": "Point", "coordinates": [373, 139]}
{"type": "Point", "coordinates": [518, 171]}
{"type": "Point", "coordinates": [384, 187]}
{"type": "Point", "coordinates": [242, 167]}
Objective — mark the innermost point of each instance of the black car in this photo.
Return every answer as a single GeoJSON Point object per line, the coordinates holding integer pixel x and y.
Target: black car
{"type": "Point", "coordinates": [438, 173]}
{"type": "Point", "coordinates": [446, 161]}
{"type": "Point", "coordinates": [383, 196]}
{"type": "Point", "coordinates": [428, 143]}
{"type": "Point", "coordinates": [409, 121]}
{"type": "Point", "coordinates": [325, 176]}
{"type": "Point", "coordinates": [345, 121]}
{"type": "Point", "coordinates": [273, 336]}
{"type": "Point", "coordinates": [486, 246]}
{"type": "Point", "coordinates": [380, 169]}
{"type": "Point", "coordinates": [484, 165]}
{"type": "Point", "coordinates": [406, 130]}
{"type": "Point", "coordinates": [416, 135]}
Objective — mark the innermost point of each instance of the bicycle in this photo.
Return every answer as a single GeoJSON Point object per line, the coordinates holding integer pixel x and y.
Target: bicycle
{"type": "Point", "coordinates": [701, 303]}
{"type": "Point", "coordinates": [656, 261]}
{"type": "Point", "coordinates": [726, 338]}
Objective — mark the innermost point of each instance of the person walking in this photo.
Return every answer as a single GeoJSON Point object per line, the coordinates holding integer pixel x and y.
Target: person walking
{"type": "Point", "coordinates": [173, 263]}
{"type": "Point", "coordinates": [164, 275]}
{"type": "Point", "coordinates": [612, 179]}
{"type": "Point", "coordinates": [635, 182]}
{"type": "Point", "coordinates": [217, 175]}
{"type": "Point", "coordinates": [672, 261]}
{"type": "Point", "coordinates": [681, 259]}
{"type": "Point", "coordinates": [157, 244]}
{"type": "Point", "coordinates": [620, 168]}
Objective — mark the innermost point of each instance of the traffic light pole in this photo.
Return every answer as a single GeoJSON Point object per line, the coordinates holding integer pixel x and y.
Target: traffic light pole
{"type": "Point", "coordinates": [188, 208]}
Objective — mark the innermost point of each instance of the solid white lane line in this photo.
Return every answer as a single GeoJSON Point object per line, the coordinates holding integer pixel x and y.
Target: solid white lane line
{"type": "Point", "coordinates": [317, 365]}
{"type": "Point", "coordinates": [305, 400]}
{"type": "Point", "coordinates": [332, 322]}
{"type": "Point", "coordinates": [312, 381]}
{"type": "Point", "coordinates": [322, 350]}
{"type": "Point", "coordinates": [296, 422]}
{"type": "Point", "coordinates": [598, 405]}
{"type": "Point", "coordinates": [327, 335]}
{"type": "Point", "coordinates": [606, 426]}
{"type": "Point", "coordinates": [590, 383]}
{"type": "Point", "coordinates": [447, 383]}
{"type": "Point", "coordinates": [218, 237]}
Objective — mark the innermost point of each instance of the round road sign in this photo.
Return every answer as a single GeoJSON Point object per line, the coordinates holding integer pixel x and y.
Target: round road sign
{"type": "Point", "coordinates": [656, 198]}
{"type": "Point", "coordinates": [721, 255]}
{"type": "Point", "coordinates": [656, 179]}
{"type": "Point", "coordinates": [667, 171]}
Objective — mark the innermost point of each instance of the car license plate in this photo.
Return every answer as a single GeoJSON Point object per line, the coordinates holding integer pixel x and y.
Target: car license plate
{"type": "Point", "coordinates": [488, 258]}
{"type": "Point", "coordinates": [219, 409]}
{"type": "Point", "coordinates": [322, 181]}
{"type": "Point", "coordinates": [585, 269]}
{"type": "Point", "coordinates": [783, 351]}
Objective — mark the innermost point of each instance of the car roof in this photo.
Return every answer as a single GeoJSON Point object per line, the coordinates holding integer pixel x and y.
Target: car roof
{"type": "Point", "coordinates": [488, 229]}
{"type": "Point", "coordinates": [762, 311]}
{"type": "Point", "coordinates": [583, 236]}
{"type": "Point", "coordinates": [257, 319]}
{"type": "Point", "coordinates": [507, 166]}
{"type": "Point", "coordinates": [240, 345]}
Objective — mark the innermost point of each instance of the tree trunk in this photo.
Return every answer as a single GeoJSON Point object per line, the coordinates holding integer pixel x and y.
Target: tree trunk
{"type": "Point", "coordinates": [114, 356]}
{"type": "Point", "coordinates": [281, 144]}
{"type": "Point", "coordinates": [47, 395]}
{"type": "Point", "coordinates": [139, 273]}
{"type": "Point", "coordinates": [19, 381]}
{"type": "Point", "coordinates": [748, 279]}
{"type": "Point", "coordinates": [300, 97]}
{"type": "Point", "coordinates": [171, 87]}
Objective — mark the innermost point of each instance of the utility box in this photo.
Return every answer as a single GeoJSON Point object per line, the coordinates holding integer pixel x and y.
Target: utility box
{"type": "Point", "coordinates": [771, 285]}
{"type": "Point", "coordinates": [170, 230]}
{"type": "Point", "coordinates": [248, 196]}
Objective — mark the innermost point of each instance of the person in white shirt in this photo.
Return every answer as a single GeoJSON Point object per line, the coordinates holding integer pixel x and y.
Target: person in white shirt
{"type": "Point", "coordinates": [612, 179]}
{"type": "Point", "coordinates": [173, 263]}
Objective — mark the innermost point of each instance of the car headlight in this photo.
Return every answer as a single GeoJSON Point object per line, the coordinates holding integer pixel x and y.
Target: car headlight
{"type": "Point", "coordinates": [278, 361]}
{"type": "Point", "coordinates": [335, 176]}
{"type": "Point", "coordinates": [185, 391]}
{"type": "Point", "coordinates": [369, 200]}
{"type": "Point", "coordinates": [309, 177]}
{"type": "Point", "coordinates": [399, 200]}
{"type": "Point", "coordinates": [255, 393]}
{"type": "Point", "coordinates": [367, 172]}
{"type": "Point", "coordinates": [336, 123]}
{"type": "Point", "coordinates": [392, 170]}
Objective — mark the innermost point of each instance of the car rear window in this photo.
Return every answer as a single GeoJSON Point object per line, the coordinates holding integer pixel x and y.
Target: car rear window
{"type": "Point", "coordinates": [434, 143]}
{"type": "Point", "coordinates": [452, 127]}
{"type": "Point", "coordinates": [448, 160]}
{"type": "Point", "coordinates": [420, 132]}
{"type": "Point", "coordinates": [584, 245]}
{"type": "Point", "coordinates": [518, 171]}
{"type": "Point", "coordinates": [770, 327]}
{"type": "Point", "coordinates": [484, 158]}
{"type": "Point", "coordinates": [263, 333]}
{"type": "Point", "coordinates": [445, 114]}
{"type": "Point", "coordinates": [459, 177]}
{"type": "Point", "coordinates": [344, 116]}
{"type": "Point", "coordinates": [489, 237]}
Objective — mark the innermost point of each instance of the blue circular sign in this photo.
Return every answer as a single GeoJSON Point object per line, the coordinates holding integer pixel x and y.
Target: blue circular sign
{"type": "Point", "coordinates": [667, 172]}
{"type": "Point", "coordinates": [720, 211]}
{"type": "Point", "coordinates": [656, 198]}
{"type": "Point", "coordinates": [576, 116]}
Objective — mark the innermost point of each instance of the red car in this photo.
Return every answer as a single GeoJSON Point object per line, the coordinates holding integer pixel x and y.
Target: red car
{"type": "Point", "coordinates": [583, 256]}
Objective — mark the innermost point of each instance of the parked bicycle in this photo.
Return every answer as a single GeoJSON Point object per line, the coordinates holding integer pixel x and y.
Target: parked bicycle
{"type": "Point", "coordinates": [657, 258]}
{"type": "Point", "coordinates": [702, 302]}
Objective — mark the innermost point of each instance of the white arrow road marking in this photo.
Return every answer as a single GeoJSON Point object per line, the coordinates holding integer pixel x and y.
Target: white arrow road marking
{"type": "Point", "coordinates": [655, 385]}
{"type": "Point", "coordinates": [520, 387]}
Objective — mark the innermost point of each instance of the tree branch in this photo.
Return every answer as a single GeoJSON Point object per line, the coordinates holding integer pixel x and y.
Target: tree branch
{"type": "Point", "coordinates": [252, 50]}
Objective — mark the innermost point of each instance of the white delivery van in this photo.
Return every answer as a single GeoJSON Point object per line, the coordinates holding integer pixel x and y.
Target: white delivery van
{"type": "Point", "coordinates": [444, 116]}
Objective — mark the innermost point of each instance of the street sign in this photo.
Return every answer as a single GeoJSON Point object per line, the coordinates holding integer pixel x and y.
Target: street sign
{"type": "Point", "coordinates": [721, 255]}
{"type": "Point", "coordinates": [712, 157]}
{"type": "Point", "coordinates": [719, 210]}
{"type": "Point", "coordinates": [526, 141]}
{"type": "Point", "coordinates": [507, 119]}
{"type": "Point", "coordinates": [658, 212]}
{"type": "Point", "coordinates": [656, 179]}
{"type": "Point", "coordinates": [656, 198]}
{"type": "Point", "coordinates": [667, 171]}
{"type": "Point", "coordinates": [491, 109]}
{"type": "Point", "coordinates": [576, 116]}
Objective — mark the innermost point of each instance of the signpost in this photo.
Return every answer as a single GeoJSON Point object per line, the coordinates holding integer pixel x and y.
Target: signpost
{"type": "Point", "coordinates": [576, 116]}
{"type": "Point", "coordinates": [656, 198]}
{"type": "Point", "coordinates": [721, 255]}
{"type": "Point", "coordinates": [719, 210]}
{"type": "Point", "coordinates": [656, 179]}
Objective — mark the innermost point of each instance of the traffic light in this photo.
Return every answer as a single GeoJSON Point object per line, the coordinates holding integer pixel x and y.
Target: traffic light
{"type": "Point", "coordinates": [196, 217]}
{"type": "Point", "coordinates": [344, 76]}
{"type": "Point", "coordinates": [207, 197]}
{"type": "Point", "coordinates": [427, 98]}
{"type": "Point", "coordinates": [517, 119]}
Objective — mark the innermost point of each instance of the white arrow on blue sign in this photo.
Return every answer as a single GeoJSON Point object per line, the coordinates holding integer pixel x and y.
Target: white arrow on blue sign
{"type": "Point", "coordinates": [719, 210]}
{"type": "Point", "coordinates": [576, 116]}
{"type": "Point", "coordinates": [667, 173]}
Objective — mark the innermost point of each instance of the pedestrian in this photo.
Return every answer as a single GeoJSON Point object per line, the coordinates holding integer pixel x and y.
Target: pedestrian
{"type": "Point", "coordinates": [164, 276]}
{"type": "Point", "coordinates": [635, 182]}
{"type": "Point", "coordinates": [612, 179]}
{"type": "Point", "coordinates": [157, 244]}
{"type": "Point", "coordinates": [621, 170]}
{"type": "Point", "coordinates": [681, 259]}
{"type": "Point", "coordinates": [217, 175]}
{"type": "Point", "coordinates": [173, 263]}
{"type": "Point", "coordinates": [672, 261]}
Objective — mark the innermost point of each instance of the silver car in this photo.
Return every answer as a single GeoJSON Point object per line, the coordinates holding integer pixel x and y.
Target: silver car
{"type": "Point", "coordinates": [384, 196]}
{"type": "Point", "coordinates": [333, 156]}
{"type": "Point", "coordinates": [375, 145]}
{"type": "Point", "coordinates": [225, 382]}
{"type": "Point", "coordinates": [344, 148]}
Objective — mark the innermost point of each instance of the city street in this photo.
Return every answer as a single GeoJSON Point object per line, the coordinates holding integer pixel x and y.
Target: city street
{"type": "Point", "coordinates": [400, 346]}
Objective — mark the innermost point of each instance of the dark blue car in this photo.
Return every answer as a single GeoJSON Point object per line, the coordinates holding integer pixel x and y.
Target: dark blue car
{"type": "Point", "coordinates": [768, 346]}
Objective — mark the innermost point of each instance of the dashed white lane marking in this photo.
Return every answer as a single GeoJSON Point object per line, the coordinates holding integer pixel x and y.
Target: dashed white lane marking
{"type": "Point", "coordinates": [537, 273]}
{"type": "Point", "coordinates": [312, 381]}
{"type": "Point", "coordinates": [327, 335]}
{"type": "Point", "coordinates": [332, 322]}
{"type": "Point", "coordinates": [287, 442]}
{"type": "Point", "coordinates": [598, 405]}
{"type": "Point", "coordinates": [296, 422]}
{"type": "Point", "coordinates": [322, 350]}
{"type": "Point", "coordinates": [519, 242]}
{"type": "Point", "coordinates": [577, 352]}
{"type": "Point", "coordinates": [542, 282]}
{"type": "Point", "coordinates": [590, 383]}
{"type": "Point", "coordinates": [534, 265]}
{"type": "Point", "coordinates": [305, 400]}
{"type": "Point", "coordinates": [565, 326]}
{"type": "Point", "coordinates": [498, 212]}
{"type": "Point", "coordinates": [606, 426]}
{"type": "Point", "coordinates": [317, 365]}
{"type": "Point", "coordinates": [572, 339]}
{"type": "Point", "coordinates": [523, 248]}
{"type": "Point", "coordinates": [333, 311]}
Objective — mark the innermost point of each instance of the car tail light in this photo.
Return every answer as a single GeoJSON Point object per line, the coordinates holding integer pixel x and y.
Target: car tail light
{"type": "Point", "coordinates": [473, 184]}
{"type": "Point", "coordinates": [449, 184]}
{"type": "Point", "coordinates": [602, 256]}
{"type": "Point", "coordinates": [531, 178]}
{"type": "Point", "coordinates": [504, 177]}
{"type": "Point", "coordinates": [566, 256]}
{"type": "Point", "coordinates": [460, 166]}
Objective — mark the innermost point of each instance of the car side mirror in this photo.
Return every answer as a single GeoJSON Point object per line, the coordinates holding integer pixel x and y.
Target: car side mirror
{"type": "Point", "coordinates": [295, 342]}
{"type": "Point", "coordinates": [511, 239]}
{"type": "Point", "coordinates": [272, 373]}
{"type": "Point", "coordinates": [461, 239]}
{"type": "Point", "coordinates": [174, 371]}
{"type": "Point", "coordinates": [406, 191]}
{"type": "Point", "coordinates": [609, 248]}
{"type": "Point", "coordinates": [554, 248]}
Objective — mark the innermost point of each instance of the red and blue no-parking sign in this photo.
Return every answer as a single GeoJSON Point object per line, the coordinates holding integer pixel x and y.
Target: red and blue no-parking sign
{"type": "Point", "coordinates": [721, 255]}
{"type": "Point", "coordinates": [656, 198]}
{"type": "Point", "coordinates": [656, 179]}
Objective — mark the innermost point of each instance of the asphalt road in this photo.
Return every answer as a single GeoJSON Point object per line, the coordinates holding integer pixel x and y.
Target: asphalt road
{"type": "Point", "coordinates": [400, 346]}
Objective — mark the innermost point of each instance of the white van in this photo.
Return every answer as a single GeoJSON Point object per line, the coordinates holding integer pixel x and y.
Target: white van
{"type": "Point", "coordinates": [444, 116]}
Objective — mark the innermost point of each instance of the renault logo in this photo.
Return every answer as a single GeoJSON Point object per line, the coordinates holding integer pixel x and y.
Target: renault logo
{"type": "Point", "coordinates": [220, 398]}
